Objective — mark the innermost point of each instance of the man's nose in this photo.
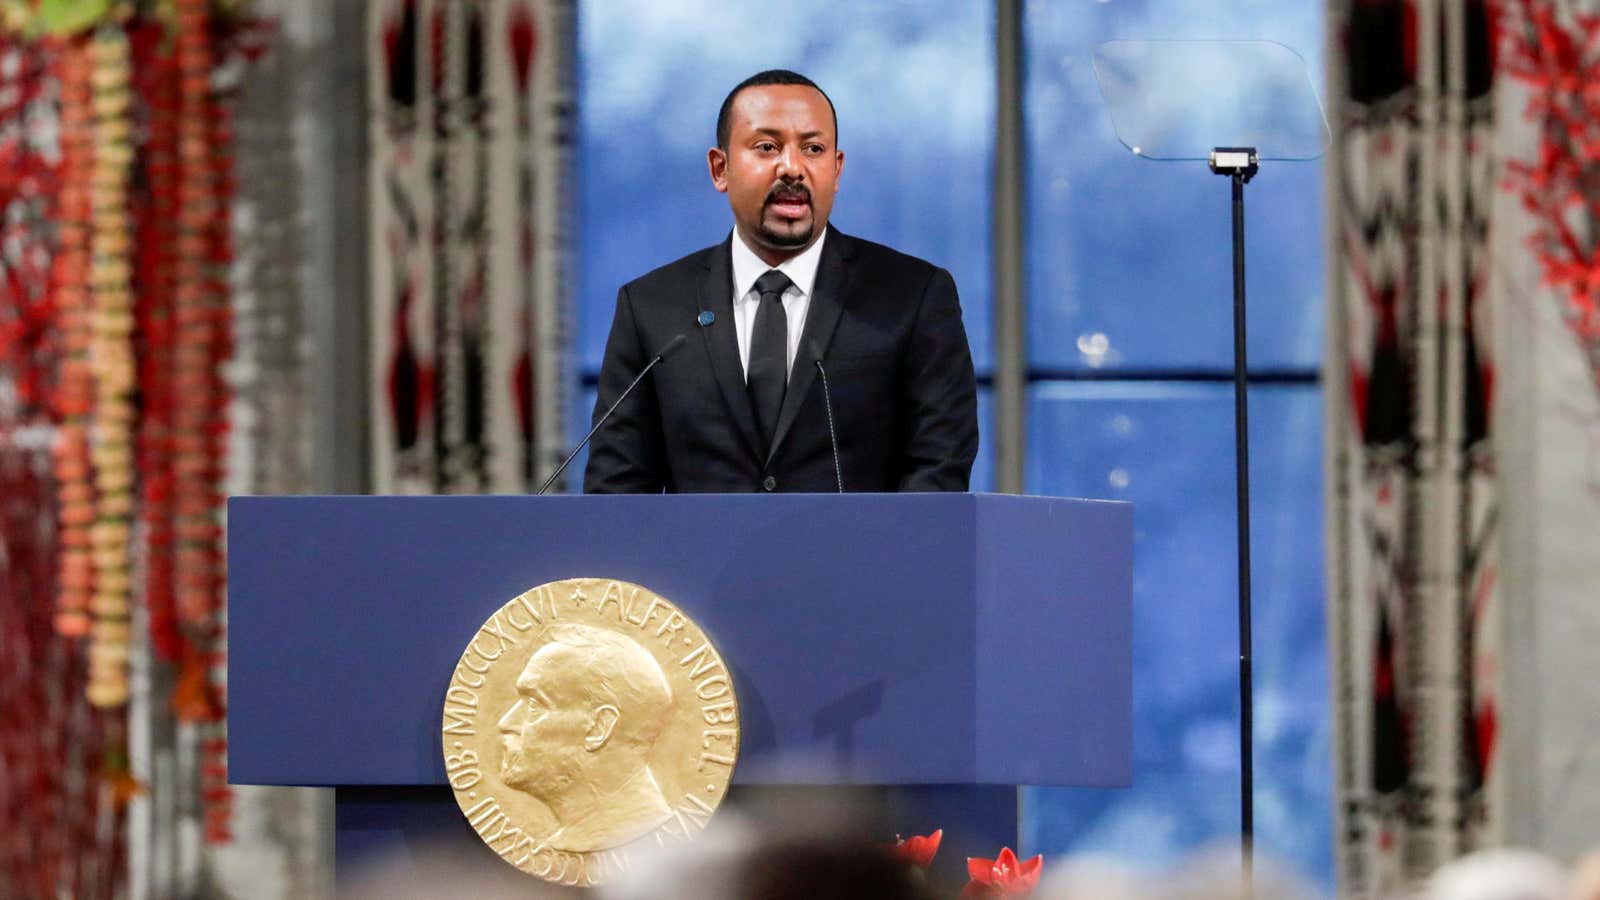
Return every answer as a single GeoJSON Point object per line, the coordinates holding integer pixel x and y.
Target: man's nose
{"type": "Point", "coordinates": [789, 167]}
{"type": "Point", "coordinates": [511, 722]}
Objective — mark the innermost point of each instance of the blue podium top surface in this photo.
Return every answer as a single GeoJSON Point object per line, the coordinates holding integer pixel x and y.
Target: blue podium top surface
{"type": "Point", "coordinates": [873, 638]}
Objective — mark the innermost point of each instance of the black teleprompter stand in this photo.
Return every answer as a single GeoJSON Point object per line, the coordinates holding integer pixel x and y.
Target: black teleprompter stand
{"type": "Point", "coordinates": [1240, 164]}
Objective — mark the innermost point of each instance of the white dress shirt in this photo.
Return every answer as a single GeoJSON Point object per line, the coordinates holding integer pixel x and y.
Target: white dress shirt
{"type": "Point", "coordinates": [747, 267]}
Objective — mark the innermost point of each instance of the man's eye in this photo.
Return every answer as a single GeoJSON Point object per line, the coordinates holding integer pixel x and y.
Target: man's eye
{"type": "Point", "coordinates": [814, 149]}
{"type": "Point", "coordinates": [765, 147]}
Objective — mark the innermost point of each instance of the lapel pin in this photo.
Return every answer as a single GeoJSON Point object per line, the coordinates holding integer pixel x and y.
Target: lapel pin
{"type": "Point", "coordinates": [706, 317]}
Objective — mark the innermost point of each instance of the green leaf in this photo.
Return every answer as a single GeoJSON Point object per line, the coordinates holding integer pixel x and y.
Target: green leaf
{"type": "Point", "coordinates": [68, 17]}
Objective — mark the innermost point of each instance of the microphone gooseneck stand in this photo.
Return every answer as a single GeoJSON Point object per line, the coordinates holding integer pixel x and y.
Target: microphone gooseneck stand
{"type": "Point", "coordinates": [666, 351]}
{"type": "Point", "coordinates": [1240, 164]}
{"type": "Point", "coordinates": [833, 437]}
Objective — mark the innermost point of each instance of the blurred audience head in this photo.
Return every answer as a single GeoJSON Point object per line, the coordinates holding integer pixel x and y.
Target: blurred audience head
{"type": "Point", "coordinates": [1586, 877]}
{"type": "Point", "coordinates": [1094, 878]}
{"type": "Point", "coordinates": [816, 854]}
{"type": "Point", "coordinates": [1217, 874]}
{"type": "Point", "coordinates": [1505, 874]}
{"type": "Point", "coordinates": [801, 869]}
{"type": "Point", "coordinates": [443, 870]}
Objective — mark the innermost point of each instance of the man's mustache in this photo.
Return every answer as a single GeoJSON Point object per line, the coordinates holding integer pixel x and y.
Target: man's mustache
{"type": "Point", "coordinates": [792, 189]}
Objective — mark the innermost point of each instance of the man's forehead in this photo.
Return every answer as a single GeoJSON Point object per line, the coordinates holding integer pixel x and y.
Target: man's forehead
{"type": "Point", "coordinates": [782, 106]}
{"type": "Point", "coordinates": [533, 677]}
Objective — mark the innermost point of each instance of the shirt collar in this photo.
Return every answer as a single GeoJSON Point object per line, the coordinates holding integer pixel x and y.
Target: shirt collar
{"type": "Point", "coordinates": [801, 269]}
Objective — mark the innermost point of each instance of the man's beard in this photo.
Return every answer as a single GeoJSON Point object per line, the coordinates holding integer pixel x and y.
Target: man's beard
{"type": "Point", "coordinates": [541, 775]}
{"type": "Point", "coordinates": [780, 240]}
{"type": "Point", "coordinates": [513, 767]}
{"type": "Point", "coordinates": [785, 241]}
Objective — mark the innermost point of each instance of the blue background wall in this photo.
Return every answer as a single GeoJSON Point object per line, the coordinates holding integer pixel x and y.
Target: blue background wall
{"type": "Point", "coordinates": [1129, 330]}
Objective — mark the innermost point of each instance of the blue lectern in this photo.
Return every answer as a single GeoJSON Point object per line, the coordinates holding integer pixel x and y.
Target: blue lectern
{"type": "Point", "coordinates": [875, 639]}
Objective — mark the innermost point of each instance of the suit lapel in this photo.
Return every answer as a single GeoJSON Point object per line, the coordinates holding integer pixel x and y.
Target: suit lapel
{"type": "Point", "coordinates": [722, 343]}
{"type": "Point", "coordinates": [822, 315]}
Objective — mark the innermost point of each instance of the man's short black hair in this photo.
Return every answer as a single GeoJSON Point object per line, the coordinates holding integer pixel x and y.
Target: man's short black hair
{"type": "Point", "coordinates": [761, 79]}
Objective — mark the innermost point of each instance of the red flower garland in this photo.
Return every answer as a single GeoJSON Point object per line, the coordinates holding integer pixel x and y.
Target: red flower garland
{"type": "Point", "coordinates": [203, 342]}
{"type": "Point", "coordinates": [196, 340]}
{"type": "Point", "coordinates": [111, 360]}
{"type": "Point", "coordinates": [75, 397]}
{"type": "Point", "coordinates": [124, 309]}
{"type": "Point", "coordinates": [156, 72]}
{"type": "Point", "coordinates": [28, 188]}
{"type": "Point", "coordinates": [55, 836]}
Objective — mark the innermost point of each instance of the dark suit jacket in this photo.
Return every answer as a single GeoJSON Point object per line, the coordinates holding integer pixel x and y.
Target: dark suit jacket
{"type": "Point", "coordinates": [888, 330]}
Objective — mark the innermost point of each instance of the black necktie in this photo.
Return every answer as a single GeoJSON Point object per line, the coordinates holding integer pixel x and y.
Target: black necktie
{"type": "Point", "coordinates": [768, 376]}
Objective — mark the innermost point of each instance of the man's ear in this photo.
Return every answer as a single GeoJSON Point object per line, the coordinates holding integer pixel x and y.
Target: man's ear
{"type": "Point", "coordinates": [605, 721]}
{"type": "Point", "coordinates": [717, 163]}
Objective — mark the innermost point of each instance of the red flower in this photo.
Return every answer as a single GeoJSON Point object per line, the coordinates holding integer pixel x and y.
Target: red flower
{"type": "Point", "coordinates": [919, 849]}
{"type": "Point", "coordinates": [1002, 876]}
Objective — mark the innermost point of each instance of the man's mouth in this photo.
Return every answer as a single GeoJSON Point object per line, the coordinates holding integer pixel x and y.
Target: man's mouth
{"type": "Point", "coordinates": [790, 204]}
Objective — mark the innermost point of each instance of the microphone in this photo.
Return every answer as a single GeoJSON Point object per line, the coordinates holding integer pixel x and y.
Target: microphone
{"type": "Point", "coordinates": [666, 351]}
{"type": "Point", "coordinates": [833, 439]}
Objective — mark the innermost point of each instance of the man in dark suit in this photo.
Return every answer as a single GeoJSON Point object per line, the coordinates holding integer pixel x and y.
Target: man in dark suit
{"type": "Point", "coordinates": [743, 405]}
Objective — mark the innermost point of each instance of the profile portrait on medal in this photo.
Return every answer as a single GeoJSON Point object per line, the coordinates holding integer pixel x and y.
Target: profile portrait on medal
{"type": "Point", "coordinates": [591, 704]}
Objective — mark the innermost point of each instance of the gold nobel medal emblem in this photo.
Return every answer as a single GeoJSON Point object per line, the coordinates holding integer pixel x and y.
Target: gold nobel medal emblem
{"type": "Point", "coordinates": [586, 719]}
